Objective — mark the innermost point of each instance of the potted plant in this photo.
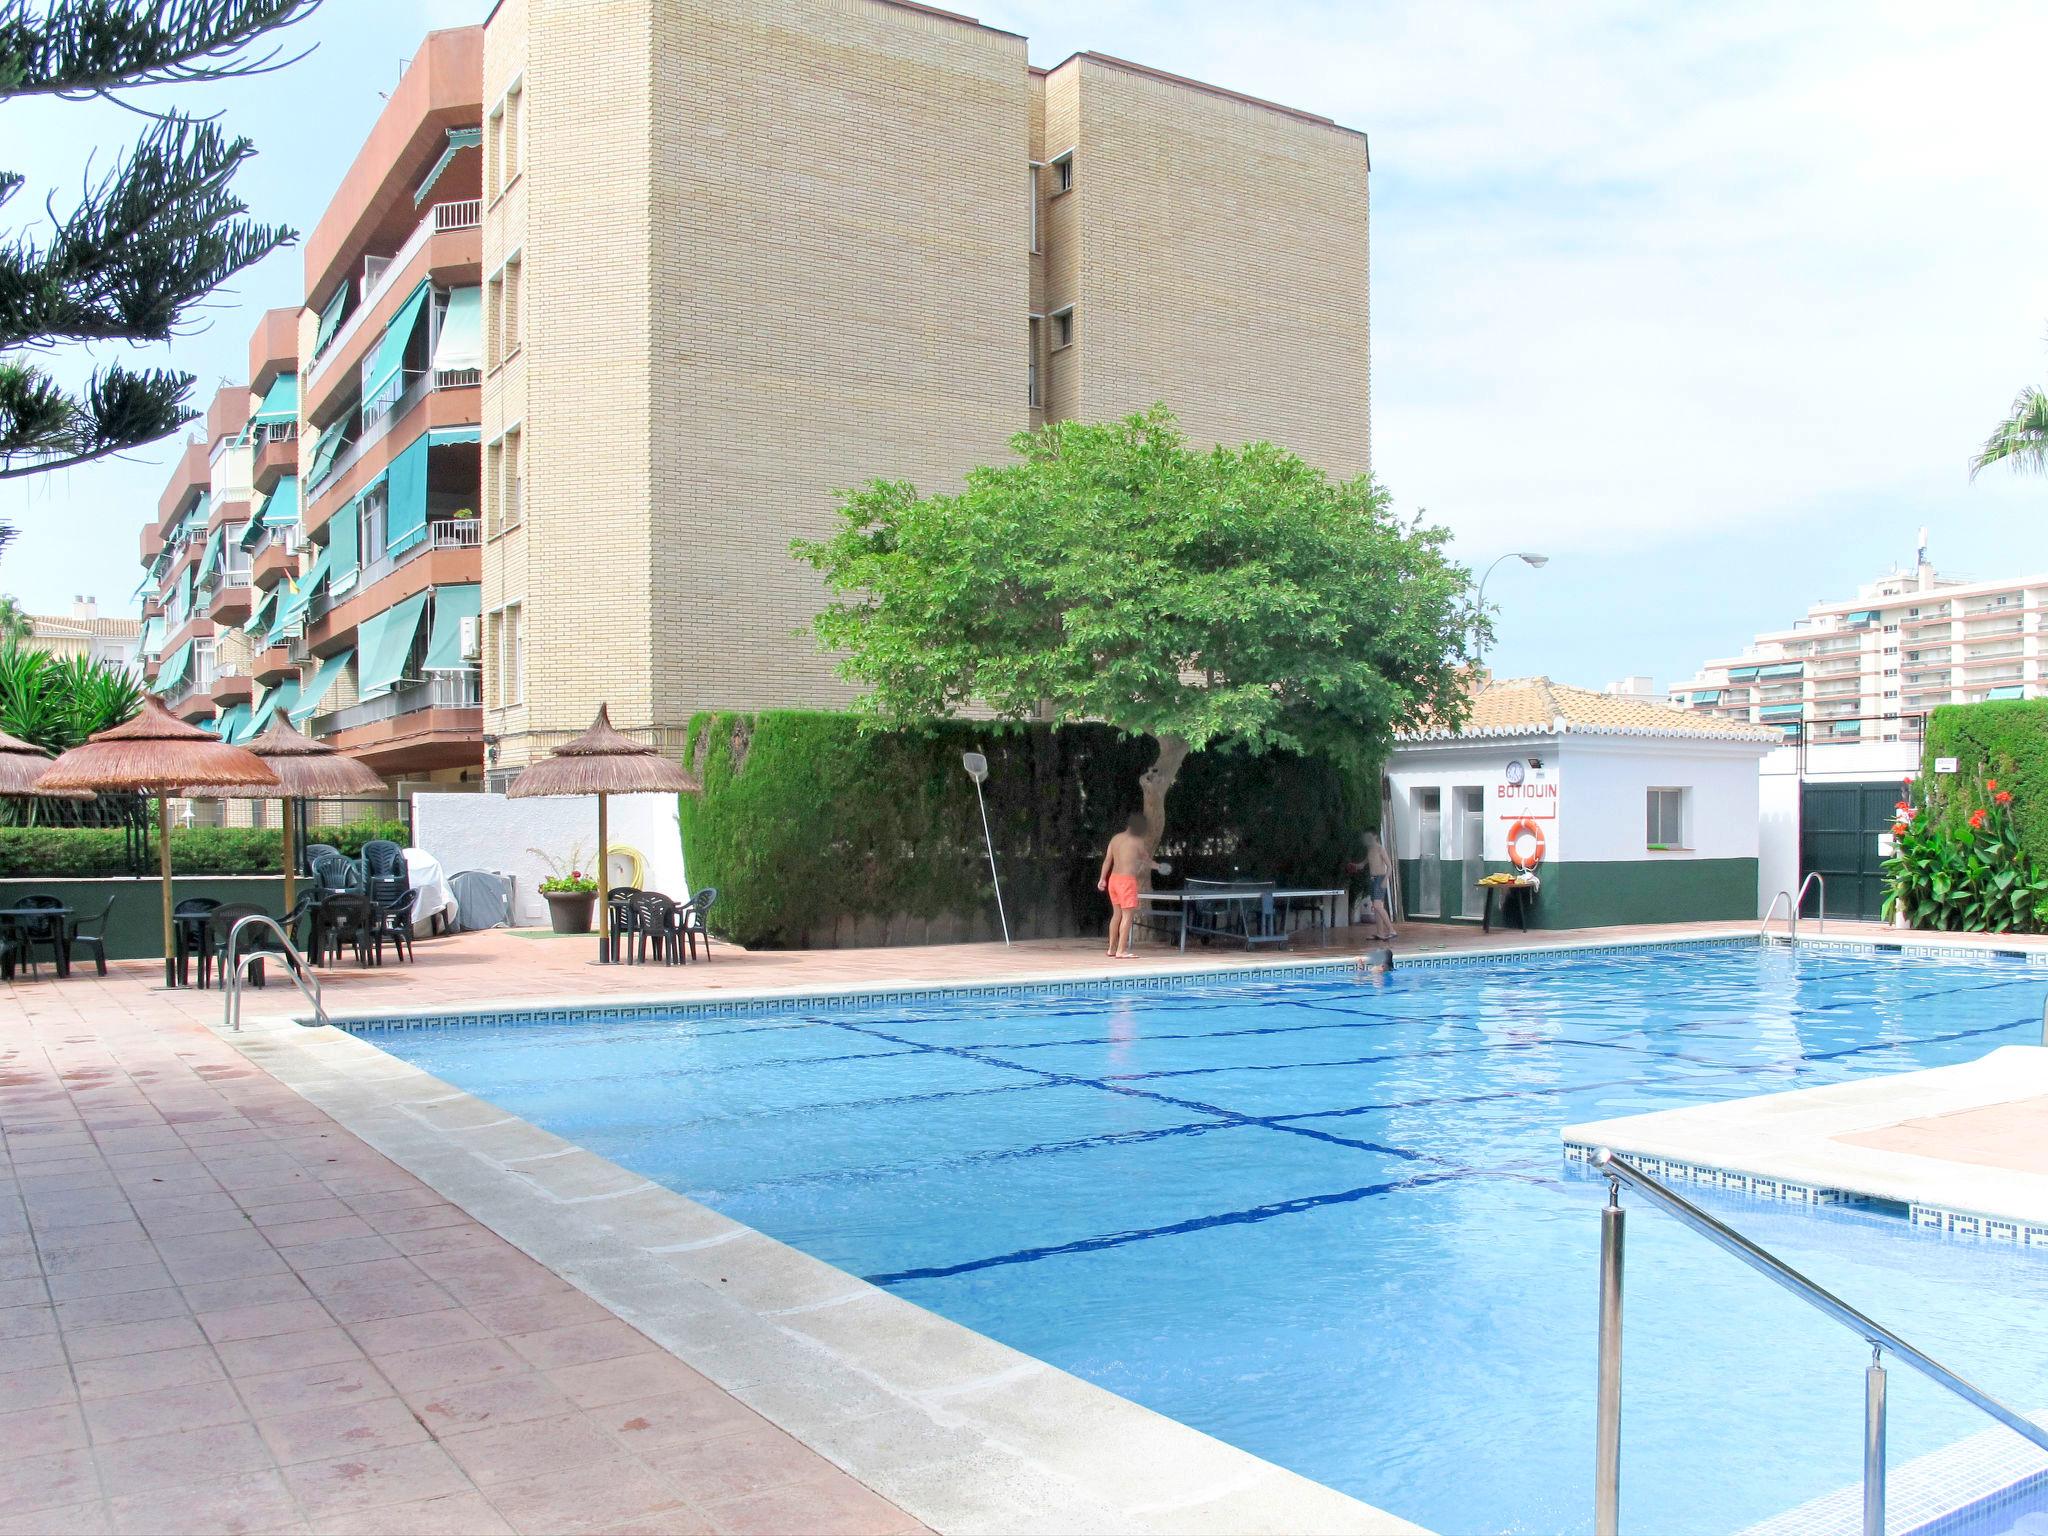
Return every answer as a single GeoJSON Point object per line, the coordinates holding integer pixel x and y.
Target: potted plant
{"type": "Point", "coordinates": [570, 893]}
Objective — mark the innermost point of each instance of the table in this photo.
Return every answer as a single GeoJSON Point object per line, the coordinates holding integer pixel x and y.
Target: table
{"type": "Point", "coordinates": [1165, 901]}
{"type": "Point", "coordinates": [1514, 901]}
{"type": "Point", "coordinates": [23, 917]}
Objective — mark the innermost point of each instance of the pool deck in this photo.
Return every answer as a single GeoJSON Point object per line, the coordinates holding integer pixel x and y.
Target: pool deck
{"type": "Point", "coordinates": [283, 1282]}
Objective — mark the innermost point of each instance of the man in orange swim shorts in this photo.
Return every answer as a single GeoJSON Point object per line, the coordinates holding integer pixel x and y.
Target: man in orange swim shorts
{"type": "Point", "coordinates": [1127, 858]}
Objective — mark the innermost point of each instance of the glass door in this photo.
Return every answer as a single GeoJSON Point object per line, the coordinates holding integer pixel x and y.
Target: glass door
{"type": "Point", "coordinates": [1429, 853]}
{"type": "Point", "coordinates": [1471, 835]}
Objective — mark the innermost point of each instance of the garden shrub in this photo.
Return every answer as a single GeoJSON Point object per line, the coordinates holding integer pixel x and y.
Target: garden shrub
{"type": "Point", "coordinates": [86, 853]}
{"type": "Point", "coordinates": [816, 831]}
{"type": "Point", "coordinates": [1959, 862]}
{"type": "Point", "coordinates": [2006, 740]}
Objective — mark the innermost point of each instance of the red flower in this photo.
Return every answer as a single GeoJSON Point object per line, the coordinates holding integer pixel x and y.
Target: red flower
{"type": "Point", "coordinates": [2003, 797]}
{"type": "Point", "coordinates": [1992, 785]}
{"type": "Point", "coordinates": [1903, 808]}
{"type": "Point", "coordinates": [1907, 781]}
{"type": "Point", "coordinates": [1977, 817]}
{"type": "Point", "coordinates": [1900, 829]}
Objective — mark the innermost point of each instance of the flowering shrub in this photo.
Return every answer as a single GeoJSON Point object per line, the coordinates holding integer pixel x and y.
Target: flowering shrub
{"type": "Point", "coordinates": [574, 883]}
{"type": "Point", "coordinates": [1976, 877]}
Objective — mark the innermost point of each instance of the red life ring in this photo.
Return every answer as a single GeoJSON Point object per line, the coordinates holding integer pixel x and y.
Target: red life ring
{"type": "Point", "coordinates": [1525, 845]}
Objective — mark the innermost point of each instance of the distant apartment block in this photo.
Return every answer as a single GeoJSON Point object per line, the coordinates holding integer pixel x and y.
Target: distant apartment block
{"type": "Point", "coordinates": [1871, 667]}
{"type": "Point", "coordinates": [617, 296]}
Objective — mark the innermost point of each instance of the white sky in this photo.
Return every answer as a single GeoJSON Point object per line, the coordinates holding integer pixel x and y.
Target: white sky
{"type": "Point", "coordinates": [1709, 304]}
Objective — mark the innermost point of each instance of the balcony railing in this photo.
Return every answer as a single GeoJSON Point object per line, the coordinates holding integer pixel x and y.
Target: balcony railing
{"type": "Point", "coordinates": [419, 383]}
{"type": "Point", "coordinates": [466, 214]}
{"type": "Point", "coordinates": [439, 690]}
{"type": "Point", "coordinates": [451, 533]}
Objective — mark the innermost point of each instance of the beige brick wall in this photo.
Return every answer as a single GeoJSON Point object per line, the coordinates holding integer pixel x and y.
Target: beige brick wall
{"type": "Point", "coordinates": [840, 292]}
{"type": "Point", "coordinates": [1221, 263]}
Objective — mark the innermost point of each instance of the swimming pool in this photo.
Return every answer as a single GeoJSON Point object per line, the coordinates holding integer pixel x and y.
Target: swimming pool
{"type": "Point", "coordinates": [1327, 1220]}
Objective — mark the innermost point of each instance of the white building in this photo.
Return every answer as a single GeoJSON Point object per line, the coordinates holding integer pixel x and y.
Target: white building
{"type": "Point", "coordinates": [1868, 668]}
{"type": "Point", "coordinates": [82, 632]}
{"type": "Point", "coordinates": [1643, 812]}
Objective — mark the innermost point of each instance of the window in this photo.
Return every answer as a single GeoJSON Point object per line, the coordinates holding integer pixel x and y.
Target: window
{"type": "Point", "coordinates": [514, 318]}
{"type": "Point", "coordinates": [1667, 817]}
{"type": "Point", "coordinates": [502, 317]}
{"type": "Point", "coordinates": [1031, 180]}
{"type": "Point", "coordinates": [1031, 395]}
{"type": "Point", "coordinates": [512, 483]}
{"type": "Point", "coordinates": [507, 144]}
{"type": "Point", "coordinates": [1063, 174]}
{"type": "Point", "coordinates": [1063, 328]}
{"type": "Point", "coordinates": [508, 645]}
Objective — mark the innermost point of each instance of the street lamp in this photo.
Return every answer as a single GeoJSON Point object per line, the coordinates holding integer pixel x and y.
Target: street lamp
{"type": "Point", "coordinates": [977, 770]}
{"type": "Point", "coordinates": [1536, 562]}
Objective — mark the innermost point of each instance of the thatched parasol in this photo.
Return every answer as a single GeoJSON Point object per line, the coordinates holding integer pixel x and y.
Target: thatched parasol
{"type": "Point", "coordinates": [158, 754]}
{"type": "Point", "coordinates": [21, 764]}
{"type": "Point", "coordinates": [306, 770]}
{"type": "Point", "coordinates": [602, 762]}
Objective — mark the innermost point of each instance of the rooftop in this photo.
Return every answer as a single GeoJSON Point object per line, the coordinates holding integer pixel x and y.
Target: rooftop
{"type": "Point", "coordinates": [1535, 706]}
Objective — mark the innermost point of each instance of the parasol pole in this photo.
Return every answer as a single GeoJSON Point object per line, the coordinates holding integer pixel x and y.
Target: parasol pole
{"type": "Point", "coordinates": [604, 876]}
{"type": "Point", "coordinates": [163, 854]}
{"type": "Point", "coordinates": [290, 864]}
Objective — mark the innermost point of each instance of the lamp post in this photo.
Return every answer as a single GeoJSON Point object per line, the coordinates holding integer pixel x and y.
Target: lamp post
{"type": "Point", "coordinates": [977, 770]}
{"type": "Point", "coordinates": [1536, 562]}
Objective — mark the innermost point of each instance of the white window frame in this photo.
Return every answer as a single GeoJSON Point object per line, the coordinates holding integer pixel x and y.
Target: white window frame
{"type": "Point", "coordinates": [1062, 173]}
{"type": "Point", "coordinates": [1062, 320]}
{"type": "Point", "coordinates": [1656, 809]}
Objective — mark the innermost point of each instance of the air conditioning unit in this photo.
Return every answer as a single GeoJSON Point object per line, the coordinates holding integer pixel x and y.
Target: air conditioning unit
{"type": "Point", "coordinates": [472, 639]}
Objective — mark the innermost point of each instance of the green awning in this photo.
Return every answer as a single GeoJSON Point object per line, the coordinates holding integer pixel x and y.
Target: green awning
{"type": "Point", "coordinates": [323, 683]}
{"type": "Point", "coordinates": [1706, 696]}
{"type": "Point", "coordinates": [195, 520]}
{"type": "Point", "coordinates": [384, 375]}
{"type": "Point", "coordinates": [405, 510]}
{"type": "Point", "coordinates": [461, 342]}
{"type": "Point", "coordinates": [208, 560]}
{"type": "Point", "coordinates": [280, 401]}
{"type": "Point", "coordinates": [151, 639]}
{"type": "Point", "coordinates": [259, 620]}
{"type": "Point", "coordinates": [292, 608]}
{"type": "Point", "coordinates": [1847, 728]}
{"type": "Point", "coordinates": [344, 546]}
{"type": "Point", "coordinates": [1741, 674]}
{"type": "Point", "coordinates": [232, 724]}
{"type": "Point", "coordinates": [283, 696]}
{"type": "Point", "coordinates": [1783, 669]}
{"type": "Point", "coordinates": [324, 451]}
{"type": "Point", "coordinates": [443, 437]}
{"type": "Point", "coordinates": [444, 640]}
{"type": "Point", "coordinates": [386, 640]}
{"type": "Point", "coordinates": [330, 318]}
{"type": "Point", "coordinates": [172, 672]}
{"type": "Point", "coordinates": [280, 509]}
{"type": "Point", "coordinates": [459, 139]}
{"type": "Point", "coordinates": [1779, 711]}
{"type": "Point", "coordinates": [2009, 691]}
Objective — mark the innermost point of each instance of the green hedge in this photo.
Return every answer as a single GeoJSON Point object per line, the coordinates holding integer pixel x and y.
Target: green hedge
{"type": "Point", "coordinates": [2007, 741]}
{"type": "Point", "coordinates": [81, 853]}
{"type": "Point", "coordinates": [817, 833]}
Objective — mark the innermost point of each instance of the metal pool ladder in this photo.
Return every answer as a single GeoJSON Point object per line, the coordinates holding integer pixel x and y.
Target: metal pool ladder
{"type": "Point", "coordinates": [234, 969]}
{"type": "Point", "coordinates": [1607, 1475]}
{"type": "Point", "coordinates": [1792, 908]}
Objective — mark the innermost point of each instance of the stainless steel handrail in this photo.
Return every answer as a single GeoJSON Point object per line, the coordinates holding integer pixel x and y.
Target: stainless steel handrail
{"type": "Point", "coordinates": [1607, 1480]}
{"type": "Point", "coordinates": [1813, 877]}
{"type": "Point", "coordinates": [1792, 915]}
{"type": "Point", "coordinates": [232, 969]}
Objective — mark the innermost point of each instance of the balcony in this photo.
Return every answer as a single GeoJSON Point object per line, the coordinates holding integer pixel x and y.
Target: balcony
{"type": "Point", "coordinates": [277, 455]}
{"type": "Point", "coordinates": [232, 688]}
{"type": "Point", "coordinates": [271, 667]}
{"type": "Point", "coordinates": [273, 349]}
{"type": "Point", "coordinates": [446, 406]}
{"type": "Point", "coordinates": [448, 240]}
{"type": "Point", "coordinates": [2012, 647]}
{"type": "Point", "coordinates": [230, 598]}
{"type": "Point", "coordinates": [277, 559]}
{"type": "Point", "coordinates": [1976, 634]}
{"type": "Point", "coordinates": [434, 723]}
{"type": "Point", "coordinates": [191, 477]}
{"type": "Point", "coordinates": [447, 556]}
{"type": "Point", "coordinates": [439, 690]}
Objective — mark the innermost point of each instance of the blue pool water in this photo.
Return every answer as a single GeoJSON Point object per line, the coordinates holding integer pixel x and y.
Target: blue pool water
{"type": "Point", "coordinates": [1327, 1220]}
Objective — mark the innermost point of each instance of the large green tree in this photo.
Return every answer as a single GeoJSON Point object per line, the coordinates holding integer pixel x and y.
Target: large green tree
{"type": "Point", "coordinates": [1115, 573]}
{"type": "Point", "coordinates": [148, 239]}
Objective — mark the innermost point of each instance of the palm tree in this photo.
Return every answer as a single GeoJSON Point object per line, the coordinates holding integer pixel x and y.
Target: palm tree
{"type": "Point", "coordinates": [2022, 438]}
{"type": "Point", "coordinates": [16, 627]}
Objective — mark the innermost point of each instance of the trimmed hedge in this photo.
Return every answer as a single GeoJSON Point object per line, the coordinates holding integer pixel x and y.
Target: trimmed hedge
{"type": "Point", "coordinates": [85, 853]}
{"type": "Point", "coordinates": [2006, 740]}
{"type": "Point", "coordinates": [817, 833]}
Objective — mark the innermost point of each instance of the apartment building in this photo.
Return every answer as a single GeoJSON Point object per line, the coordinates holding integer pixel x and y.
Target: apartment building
{"type": "Point", "coordinates": [737, 257]}
{"type": "Point", "coordinates": [1869, 668]}
{"type": "Point", "coordinates": [618, 294]}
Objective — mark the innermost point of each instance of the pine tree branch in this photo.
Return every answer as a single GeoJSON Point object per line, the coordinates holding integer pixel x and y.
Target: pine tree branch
{"type": "Point", "coordinates": [43, 427]}
{"type": "Point", "coordinates": [147, 241]}
{"type": "Point", "coordinates": [87, 47]}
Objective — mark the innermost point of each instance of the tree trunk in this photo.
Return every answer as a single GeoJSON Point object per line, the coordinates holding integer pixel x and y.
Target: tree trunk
{"type": "Point", "coordinates": [1154, 784]}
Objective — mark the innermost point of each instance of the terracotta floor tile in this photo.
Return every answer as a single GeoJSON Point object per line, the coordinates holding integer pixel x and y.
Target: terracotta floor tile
{"type": "Point", "coordinates": [169, 1460]}
{"type": "Point", "coordinates": [345, 1430]}
{"type": "Point", "coordinates": [528, 1449]}
{"type": "Point", "coordinates": [420, 1330]}
{"type": "Point", "coordinates": [338, 1251]}
{"type": "Point", "coordinates": [147, 1373]}
{"type": "Point", "coordinates": [117, 1339]}
{"type": "Point", "coordinates": [454, 1514]}
{"type": "Point", "coordinates": [26, 1322]}
{"type": "Point", "coordinates": [703, 1412]}
{"type": "Point", "coordinates": [250, 1291]}
{"type": "Point", "coordinates": [39, 1430]}
{"type": "Point", "coordinates": [333, 1386]}
{"type": "Point", "coordinates": [415, 1218]}
{"type": "Point", "coordinates": [293, 1213]}
{"type": "Point", "coordinates": [402, 1474]}
{"type": "Point", "coordinates": [581, 1343]}
{"type": "Point", "coordinates": [31, 1353]}
{"type": "Point", "coordinates": [833, 1505]}
{"type": "Point", "coordinates": [485, 1404]}
{"type": "Point", "coordinates": [50, 1481]}
{"type": "Point", "coordinates": [604, 1382]}
{"type": "Point", "coordinates": [256, 1322]}
{"type": "Point", "coordinates": [87, 1519]}
{"type": "Point", "coordinates": [589, 1497]}
{"type": "Point", "coordinates": [287, 1351]}
{"type": "Point", "coordinates": [36, 1388]}
{"type": "Point", "coordinates": [450, 1365]}
{"type": "Point", "coordinates": [247, 1502]}
{"type": "Point", "coordinates": [559, 1308]}
{"type": "Point", "coordinates": [139, 1415]}
{"type": "Point", "coordinates": [133, 1307]}
{"type": "Point", "coordinates": [375, 1305]}
{"type": "Point", "coordinates": [114, 1280]}
{"type": "Point", "coordinates": [714, 1471]}
{"type": "Point", "coordinates": [321, 1229]}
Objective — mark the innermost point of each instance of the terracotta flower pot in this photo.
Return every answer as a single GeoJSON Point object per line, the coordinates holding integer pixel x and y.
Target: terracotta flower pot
{"type": "Point", "coordinates": [570, 911]}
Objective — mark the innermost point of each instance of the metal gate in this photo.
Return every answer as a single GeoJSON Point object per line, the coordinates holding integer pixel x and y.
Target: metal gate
{"type": "Point", "coordinates": [1839, 828]}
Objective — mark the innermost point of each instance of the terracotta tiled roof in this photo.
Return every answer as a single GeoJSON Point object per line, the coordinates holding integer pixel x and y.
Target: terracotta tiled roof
{"type": "Point", "coordinates": [54, 626]}
{"type": "Point", "coordinates": [1535, 706]}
